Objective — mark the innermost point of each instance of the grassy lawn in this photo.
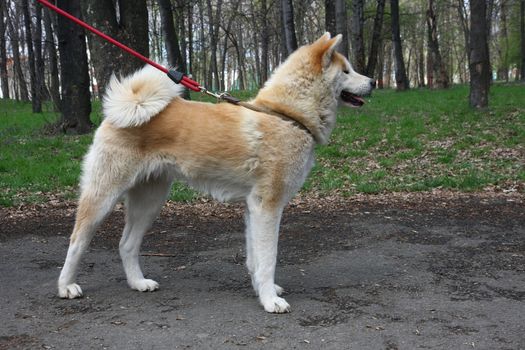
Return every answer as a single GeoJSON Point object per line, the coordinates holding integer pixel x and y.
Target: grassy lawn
{"type": "Point", "coordinates": [411, 141]}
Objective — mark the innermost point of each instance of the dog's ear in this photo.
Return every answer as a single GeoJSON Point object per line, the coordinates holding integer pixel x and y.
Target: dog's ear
{"type": "Point", "coordinates": [330, 49]}
{"type": "Point", "coordinates": [323, 49]}
{"type": "Point", "coordinates": [324, 38]}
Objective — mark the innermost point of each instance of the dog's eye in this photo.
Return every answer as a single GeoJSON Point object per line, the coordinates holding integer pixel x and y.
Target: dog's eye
{"type": "Point", "coordinates": [346, 71]}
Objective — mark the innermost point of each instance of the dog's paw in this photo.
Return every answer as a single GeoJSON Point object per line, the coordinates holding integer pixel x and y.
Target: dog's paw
{"type": "Point", "coordinates": [71, 291]}
{"type": "Point", "coordinates": [278, 289]}
{"type": "Point", "coordinates": [276, 305]}
{"type": "Point", "coordinates": [144, 285]}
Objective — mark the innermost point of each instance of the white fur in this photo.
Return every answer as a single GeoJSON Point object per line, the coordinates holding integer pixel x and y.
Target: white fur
{"type": "Point", "coordinates": [132, 101]}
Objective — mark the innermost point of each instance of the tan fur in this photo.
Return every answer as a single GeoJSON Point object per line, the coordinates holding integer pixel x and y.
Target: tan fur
{"type": "Point", "coordinates": [151, 137]}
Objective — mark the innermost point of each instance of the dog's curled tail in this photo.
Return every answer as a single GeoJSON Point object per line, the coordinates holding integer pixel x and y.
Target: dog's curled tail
{"type": "Point", "coordinates": [135, 99]}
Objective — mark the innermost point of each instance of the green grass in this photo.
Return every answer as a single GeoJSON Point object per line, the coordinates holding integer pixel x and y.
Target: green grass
{"type": "Point", "coordinates": [420, 140]}
{"type": "Point", "coordinates": [411, 141]}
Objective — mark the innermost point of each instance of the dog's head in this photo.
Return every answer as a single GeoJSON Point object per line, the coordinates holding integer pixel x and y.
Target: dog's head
{"type": "Point", "coordinates": [348, 85]}
{"type": "Point", "coordinates": [312, 83]}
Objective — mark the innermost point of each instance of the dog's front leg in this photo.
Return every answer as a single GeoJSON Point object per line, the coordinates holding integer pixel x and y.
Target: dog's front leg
{"type": "Point", "coordinates": [262, 234]}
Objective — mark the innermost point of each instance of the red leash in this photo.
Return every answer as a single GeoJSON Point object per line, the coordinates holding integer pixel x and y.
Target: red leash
{"type": "Point", "coordinates": [174, 75]}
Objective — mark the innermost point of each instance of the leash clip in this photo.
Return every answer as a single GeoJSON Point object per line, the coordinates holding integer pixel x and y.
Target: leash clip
{"type": "Point", "coordinates": [223, 96]}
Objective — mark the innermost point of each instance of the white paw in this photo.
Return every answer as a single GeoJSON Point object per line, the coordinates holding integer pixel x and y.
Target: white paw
{"type": "Point", "coordinates": [278, 289]}
{"type": "Point", "coordinates": [71, 291]}
{"type": "Point", "coordinates": [144, 285]}
{"type": "Point", "coordinates": [276, 305]}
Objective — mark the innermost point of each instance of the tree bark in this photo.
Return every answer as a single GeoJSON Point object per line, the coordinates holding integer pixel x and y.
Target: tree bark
{"type": "Point", "coordinates": [13, 35]}
{"type": "Point", "coordinates": [400, 72]}
{"type": "Point", "coordinates": [171, 40]}
{"type": "Point", "coordinates": [439, 72]}
{"type": "Point", "coordinates": [479, 64]}
{"type": "Point", "coordinates": [503, 47]}
{"type": "Point", "coordinates": [329, 16]}
{"type": "Point", "coordinates": [341, 26]}
{"type": "Point", "coordinates": [130, 26]}
{"type": "Point", "coordinates": [214, 22]}
{"type": "Point", "coordinates": [265, 43]}
{"type": "Point", "coordinates": [105, 57]}
{"type": "Point", "coordinates": [76, 106]}
{"type": "Point", "coordinates": [36, 98]}
{"type": "Point", "coordinates": [358, 43]}
{"type": "Point", "coordinates": [421, 64]}
{"type": "Point", "coordinates": [54, 86]}
{"type": "Point", "coordinates": [190, 39]}
{"type": "Point", "coordinates": [522, 36]}
{"type": "Point", "coordinates": [133, 32]}
{"type": "Point", "coordinates": [376, 39]}
{"type": "Point", "coordinates": [39, 60]}
{"type": "Point", "coordinates": [290, 39]}
{"type": "Point", "coordinates": [388, 66]}
{"type": "Point", "coordinates": [3, 52]}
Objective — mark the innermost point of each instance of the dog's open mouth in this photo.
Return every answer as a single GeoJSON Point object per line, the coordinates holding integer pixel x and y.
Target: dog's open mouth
{"type": "Point", "coordinates": [351, 99]}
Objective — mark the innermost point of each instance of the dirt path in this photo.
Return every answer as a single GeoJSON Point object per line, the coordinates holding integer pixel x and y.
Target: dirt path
{"type": "Point", "coordinates": [424, 272]}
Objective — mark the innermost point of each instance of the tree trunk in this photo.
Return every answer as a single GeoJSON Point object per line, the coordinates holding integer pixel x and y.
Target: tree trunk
{"type": "Point", "coordinates": [133, 32]}
{"type": "Point", "coordinates": [462, 11]}
{"type": "Point", "coordinates": [39, 60]}
{"type": "Point", "coordinates": [76, 106]}
{"type": "Point", "coordinates": [341, 26]}
{"type": "Point", "coordinates": [265, 43]}
{"type": "Point", "coordinates": [105, 57]}
{"type": "Point", "coordinates": [214, 22]}
{"type": "Point", "coordinates": [358, 43]}
{"type": "Point", "coordinates": [179, 15]}
{"type": "Point", "coordinates": [13, 34]}
{"type": "Point", "coordinates": [522, 35]}
{"type": "Point", "coordinates": [227, 31]}
{"type": "Point", "coordinates": [380, 68]}
{"type": "Point", "coordinates": [329, 16]}
{"type": "Point", "coordinates": [503, 48]}
{"type": "Point", "coordinates": [388, 66]}
{"type": "Point", "coordinates": [3, 52]}
{"type": "Point", "coordinates": [203, 49]}
{"type": "Point", "coordinates": [439, 72]}
{"type": "Point", "coordinates": [376, 38]}
{"type": "Point", "coordinates": [479, 64]}
{"type": "Point", "coordinates": [290, 39]}
{"type": "Point", "coordinates": [421, 65]}
{"type": "Point", "coordinates": [54, 86]}
{"type": "Point", "coordinates": [130, 27]}
{"type": "Point", "coordinates": [171, 40]}
{"type": "Point", "coordinates": [36, 98]}
{"type": "Point", "coordinates": [400, 72]}
{"type": "Point", "coordinates": [190, 39]}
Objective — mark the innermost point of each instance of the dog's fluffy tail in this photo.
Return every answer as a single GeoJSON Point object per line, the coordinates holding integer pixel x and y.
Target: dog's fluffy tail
{"type": "Point", "coordinates": [134, 100]}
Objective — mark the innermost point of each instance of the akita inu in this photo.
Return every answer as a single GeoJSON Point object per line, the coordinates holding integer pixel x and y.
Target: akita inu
{"type": "Point", "coordinates": [151, 136]}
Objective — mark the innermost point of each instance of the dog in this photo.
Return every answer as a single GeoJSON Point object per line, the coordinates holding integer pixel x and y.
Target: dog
{"type": "Point", "coordinates": [150, 136]}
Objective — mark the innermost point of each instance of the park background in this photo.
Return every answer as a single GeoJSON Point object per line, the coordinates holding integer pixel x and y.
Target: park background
{"type": "Point", "coordinates": [448, 114]}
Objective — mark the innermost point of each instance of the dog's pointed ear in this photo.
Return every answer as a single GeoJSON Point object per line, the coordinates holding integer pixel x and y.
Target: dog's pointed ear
{"type": "Point", "coordinates": [324, 38]}
{"type": "Point", "coordinates": [323, 49]}
{"type": "Point", "coordinates": [330, 49]}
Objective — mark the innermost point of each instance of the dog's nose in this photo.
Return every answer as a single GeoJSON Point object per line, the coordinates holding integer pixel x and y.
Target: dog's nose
{"type": "Point", "coordinates": [373, 83]}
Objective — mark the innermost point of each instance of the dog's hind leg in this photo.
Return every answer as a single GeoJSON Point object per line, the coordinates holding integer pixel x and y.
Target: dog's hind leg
{"type": "Point", "coordinates": [262, 236]}
{"type": "Point", "coordinates": [143, 203]}
{"type": "Point", "coordinates": [92, 209]}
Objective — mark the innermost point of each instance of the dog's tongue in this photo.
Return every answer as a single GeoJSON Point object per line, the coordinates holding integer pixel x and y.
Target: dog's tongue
{"type": "Point", "coordinates": [358, 99]}
{"type": "Point", "coordinates": [352, 99]}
